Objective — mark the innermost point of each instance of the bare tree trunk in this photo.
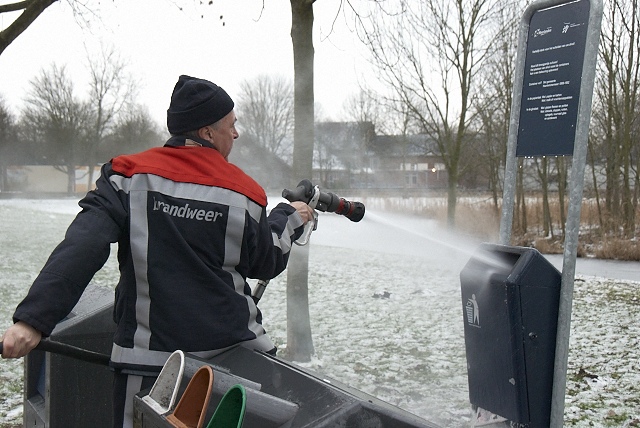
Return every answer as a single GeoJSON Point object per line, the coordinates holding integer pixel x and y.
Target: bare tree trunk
{"type": "Point", "coordinates": [542, 168]}
{"type": "Point", "coordinates": [630, 82]}
{"type": "Point", "coordinates": [561, 165]}
{"type": "Point", "coordinates": [299, 339]}
{"type": "Point", "coordinates": [71, 180]}
{"type": "Point", "coordinates": [452, 197]}
{"type": "Point", "coordinates": [3, 178]}
{"type": "Point", "coordinates": [520, 225]}
{"type": "Point", "coordinates": [610, 123]}
{"type": "Point", "coordinates": [595, 186]}
{"type": "Point", "coordinates": [636, 193]}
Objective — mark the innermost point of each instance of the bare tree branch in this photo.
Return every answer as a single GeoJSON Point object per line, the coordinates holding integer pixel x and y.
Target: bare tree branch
{"type": "Point", "coordinates": [31, 11]}
{"type": "Point", "coordinates": [265, 111]}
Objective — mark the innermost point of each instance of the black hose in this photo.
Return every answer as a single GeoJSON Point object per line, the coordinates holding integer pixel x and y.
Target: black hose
{"type": "Point", "coordinates": [47, 345]}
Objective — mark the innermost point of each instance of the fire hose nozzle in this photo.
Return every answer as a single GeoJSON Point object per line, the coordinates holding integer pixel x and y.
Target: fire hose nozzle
{"type": "Point", "coordinates": [324, 201]}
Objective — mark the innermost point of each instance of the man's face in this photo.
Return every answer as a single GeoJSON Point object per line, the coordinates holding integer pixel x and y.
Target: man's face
{"type": "Point", "coordinates": [222, 134]}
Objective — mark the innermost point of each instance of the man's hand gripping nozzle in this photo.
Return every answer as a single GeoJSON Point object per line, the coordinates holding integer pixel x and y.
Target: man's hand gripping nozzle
{"type": "Point", "coordinates": [322, 201]}
{"type": "Point", "coordinates": [319, 201]}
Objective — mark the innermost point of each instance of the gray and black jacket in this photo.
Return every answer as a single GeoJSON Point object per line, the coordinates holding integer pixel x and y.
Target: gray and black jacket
{"type": "Point", "coordinates": [190, 229]}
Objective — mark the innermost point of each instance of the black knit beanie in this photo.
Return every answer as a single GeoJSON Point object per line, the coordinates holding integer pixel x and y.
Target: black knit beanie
{"type": "Point", "coordinates": [196, 103]}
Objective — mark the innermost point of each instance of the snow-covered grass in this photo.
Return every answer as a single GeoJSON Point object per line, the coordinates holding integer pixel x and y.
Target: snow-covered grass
{"type": "Point", "coordinates": [407, 348]}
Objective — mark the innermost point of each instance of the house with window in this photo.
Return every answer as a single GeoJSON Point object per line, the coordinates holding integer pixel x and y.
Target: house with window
{"type": "Point", "coordinates": [407, 161]}
{"type": "Point", "coordinates": [351, 155]}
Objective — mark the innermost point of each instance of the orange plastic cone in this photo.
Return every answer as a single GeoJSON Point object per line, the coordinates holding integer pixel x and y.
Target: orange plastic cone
{"type": "Point", "coordinates": [192, 407]}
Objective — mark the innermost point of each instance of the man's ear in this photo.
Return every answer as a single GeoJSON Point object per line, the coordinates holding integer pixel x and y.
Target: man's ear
{"type": "Point", "coordinates": [205, 133]}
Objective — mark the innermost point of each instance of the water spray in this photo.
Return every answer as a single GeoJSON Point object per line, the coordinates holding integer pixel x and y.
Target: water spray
{"type": "Point", "coordinates": [494, 260]}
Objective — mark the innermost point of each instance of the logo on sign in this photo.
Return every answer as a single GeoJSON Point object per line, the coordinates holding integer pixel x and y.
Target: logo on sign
{"type": "Point", "coordinates": [473, 312]}
{"type": "Point", "coordinates": [541, 31]}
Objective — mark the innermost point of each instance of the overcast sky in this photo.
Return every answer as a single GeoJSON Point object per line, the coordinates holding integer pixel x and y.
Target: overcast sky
{"type": "Point", "coordinates": [232, 42]}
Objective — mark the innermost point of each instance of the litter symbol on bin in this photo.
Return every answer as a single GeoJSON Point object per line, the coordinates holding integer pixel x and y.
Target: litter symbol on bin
{"type": "Point", "coordinates": [473, 313]}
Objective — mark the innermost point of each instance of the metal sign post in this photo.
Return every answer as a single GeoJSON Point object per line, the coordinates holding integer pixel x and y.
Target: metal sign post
{"type": "Point", "coordinates": [550, 113]}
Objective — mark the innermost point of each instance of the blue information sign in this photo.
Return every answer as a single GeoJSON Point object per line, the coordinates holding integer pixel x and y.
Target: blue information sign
{"type": "Point", "coordinates": [552, 78]}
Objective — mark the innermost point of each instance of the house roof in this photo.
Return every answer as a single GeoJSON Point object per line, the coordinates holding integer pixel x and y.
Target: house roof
{"type": "Point", "coordinates": [403, 145]}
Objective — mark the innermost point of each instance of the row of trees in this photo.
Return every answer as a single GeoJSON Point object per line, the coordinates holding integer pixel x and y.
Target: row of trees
{"type": "Point", "coordinates": [615, 137]}
{"type": "Point", "coordinates": [447, 71]}
{"type": "Point", "coordinates": [57, 127]}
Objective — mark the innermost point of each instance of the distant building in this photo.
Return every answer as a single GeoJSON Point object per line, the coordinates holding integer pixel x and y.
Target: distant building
{"type": "Point", "coordinates": [342, 156]}
{"type": "Point", "coordinates": [37, 179]}
{"type": "Point", "coordinates": [408, 161]}
{"type": "Point", "coordinates": [351, 155]}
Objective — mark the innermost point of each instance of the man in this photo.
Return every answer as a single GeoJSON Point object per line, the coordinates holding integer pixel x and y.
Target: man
{"type": "Point", "coordinates": [190, 228]}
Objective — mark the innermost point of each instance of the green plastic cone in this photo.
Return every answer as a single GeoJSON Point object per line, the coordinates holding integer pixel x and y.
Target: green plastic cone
{"type": "Point", "coordinates": [230, 410]}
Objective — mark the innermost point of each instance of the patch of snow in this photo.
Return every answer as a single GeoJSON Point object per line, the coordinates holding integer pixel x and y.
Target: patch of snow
{"type": "Point", "coordinates": [405, 347]}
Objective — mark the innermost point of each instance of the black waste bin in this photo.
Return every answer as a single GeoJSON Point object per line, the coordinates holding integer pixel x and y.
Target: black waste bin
{"type": "Point", "coordinates": [510, 299]}
{"type": "Point", "coordinates": [60, 391]}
